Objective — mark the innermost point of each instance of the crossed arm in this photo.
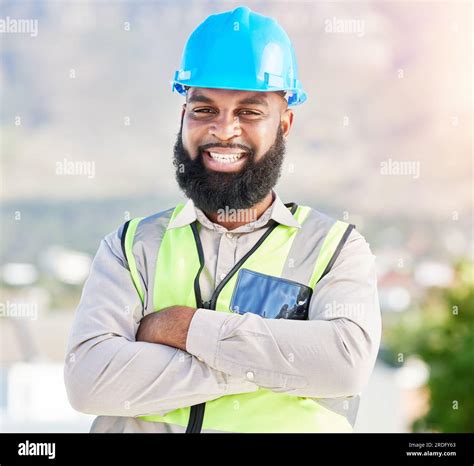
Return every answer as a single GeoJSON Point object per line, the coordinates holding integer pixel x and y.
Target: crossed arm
{"type": "Point", "coordinates": [108, 372]}
{"type": "Point", "coordinates": [168, 327]}
{"type": "Point", "coordinates": [121, 364]}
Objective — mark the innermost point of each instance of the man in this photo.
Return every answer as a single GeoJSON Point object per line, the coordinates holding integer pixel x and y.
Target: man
{"type": "Point", "coordinates": [233, 312]}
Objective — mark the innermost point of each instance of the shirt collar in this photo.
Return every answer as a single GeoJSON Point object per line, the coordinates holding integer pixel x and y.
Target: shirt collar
{"type": "Point", "coordinates": [276, 211]}
{"type": "Point", "coordinates": [282, 215]}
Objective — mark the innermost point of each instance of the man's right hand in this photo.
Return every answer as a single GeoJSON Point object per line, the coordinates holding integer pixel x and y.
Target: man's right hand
{"type": "Point", "coordinates": [167, 327]}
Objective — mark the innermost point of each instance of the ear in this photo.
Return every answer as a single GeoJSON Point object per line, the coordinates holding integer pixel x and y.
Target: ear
{"type": "Point", "coordinates": [287, 122]}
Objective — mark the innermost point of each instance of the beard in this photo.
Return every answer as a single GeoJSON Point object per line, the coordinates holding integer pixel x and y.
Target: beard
{"type": "Point", "coordinates": [212, 191]}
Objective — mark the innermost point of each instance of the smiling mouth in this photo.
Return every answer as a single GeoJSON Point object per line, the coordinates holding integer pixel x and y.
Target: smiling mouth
{"type": "Point", "coordinates": [225, 158]}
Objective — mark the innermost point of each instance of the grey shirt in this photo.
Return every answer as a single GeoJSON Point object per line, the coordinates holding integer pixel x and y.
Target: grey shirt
{"type": "Point", "coordinates": [109, 374]}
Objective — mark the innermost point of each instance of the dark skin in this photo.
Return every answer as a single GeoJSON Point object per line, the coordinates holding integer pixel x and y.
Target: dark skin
{"type": "Point", "coordinates": [224, 116]}
{"type": "Point", "coordinates": [168, 327]}
{"type": "Point", "coordinates": [249, 119]}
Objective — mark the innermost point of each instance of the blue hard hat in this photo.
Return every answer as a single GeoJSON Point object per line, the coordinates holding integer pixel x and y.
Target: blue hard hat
{"type": "Point", "coordinates": [240, 50]}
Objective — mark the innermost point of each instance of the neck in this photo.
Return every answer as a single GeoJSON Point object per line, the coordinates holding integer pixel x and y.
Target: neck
{"type": "Point", "coordinates": [232, 219]}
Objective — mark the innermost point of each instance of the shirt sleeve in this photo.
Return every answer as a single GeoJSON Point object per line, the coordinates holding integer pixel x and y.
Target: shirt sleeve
{"type": "Point", "coordinates": [330, 355]}
{"type": "Point", "coordinates": [107, 372]}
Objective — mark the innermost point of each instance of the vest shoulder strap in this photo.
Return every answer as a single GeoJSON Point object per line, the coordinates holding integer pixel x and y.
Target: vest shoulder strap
{"type": "Point", "coordinates": [127, 240]}
{"type": "Point", "coordinates": [332, 246]}
{"type": "Point", "coordinates": [128, 236]}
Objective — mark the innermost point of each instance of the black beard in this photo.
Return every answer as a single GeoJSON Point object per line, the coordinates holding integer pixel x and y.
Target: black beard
{"type": "Point", "coordinates": [212, 191]}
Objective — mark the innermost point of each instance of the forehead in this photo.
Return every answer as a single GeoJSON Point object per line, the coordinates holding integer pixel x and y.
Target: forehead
{"type": "Point", "coordinates": [230, 96]}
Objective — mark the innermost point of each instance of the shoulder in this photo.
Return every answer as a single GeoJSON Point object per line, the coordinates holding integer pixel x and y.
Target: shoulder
{"type": "Point", "coordinates": [317, 219]}
{"type": "Point", "coordinates": [153, 224]}
{"type": "Point", "coordinates": [354, 242]}
{"type": "Point", "coordinates": [142, 227]}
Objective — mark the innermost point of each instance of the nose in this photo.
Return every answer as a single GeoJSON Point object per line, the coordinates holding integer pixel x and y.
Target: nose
{"type": "Point", "coordinates": [225, 127]}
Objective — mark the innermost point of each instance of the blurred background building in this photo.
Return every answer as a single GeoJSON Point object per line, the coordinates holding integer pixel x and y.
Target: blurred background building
{"type": "Point", "coordinates": [88, 123]}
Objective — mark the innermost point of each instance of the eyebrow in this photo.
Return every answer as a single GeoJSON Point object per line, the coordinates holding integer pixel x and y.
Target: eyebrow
{"type": "Point", "coordinates": [251, 100]}
{"type": "Point", "coordinates": [254, 100]}
{"type": "Point", "coordinates": [200, 98]}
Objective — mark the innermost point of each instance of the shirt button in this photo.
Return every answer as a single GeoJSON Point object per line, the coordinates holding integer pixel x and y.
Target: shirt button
{"type": "Point", "coordinates": [222, 276]}
{"type": "Point", "coordinates": [229, 235]}
{"type": "Point", "coordinates": [200, 359]}
{"type": "Point", "coordinates": [250, 375]}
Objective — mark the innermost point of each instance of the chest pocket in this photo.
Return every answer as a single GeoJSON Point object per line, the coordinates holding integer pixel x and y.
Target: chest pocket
{"type": "Point", "coordinates": [270, 297]}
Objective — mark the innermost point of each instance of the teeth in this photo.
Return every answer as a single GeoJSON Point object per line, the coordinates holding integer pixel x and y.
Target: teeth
{"type": "Point", "coordinates": [225, 158]}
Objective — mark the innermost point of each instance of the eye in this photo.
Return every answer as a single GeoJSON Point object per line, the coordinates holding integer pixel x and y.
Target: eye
{"type": "Point", "coordinates": [203, 110]}
{"type": "Point", "coordinates": [250, 114]}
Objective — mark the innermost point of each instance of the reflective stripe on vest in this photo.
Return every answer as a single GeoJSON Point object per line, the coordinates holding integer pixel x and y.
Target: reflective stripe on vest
{"type": "Point", "coordinates": [179, 263]}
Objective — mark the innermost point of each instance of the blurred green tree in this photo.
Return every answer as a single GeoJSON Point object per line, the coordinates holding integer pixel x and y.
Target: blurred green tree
{"type": "Point", "coordinates": [441, 333]}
